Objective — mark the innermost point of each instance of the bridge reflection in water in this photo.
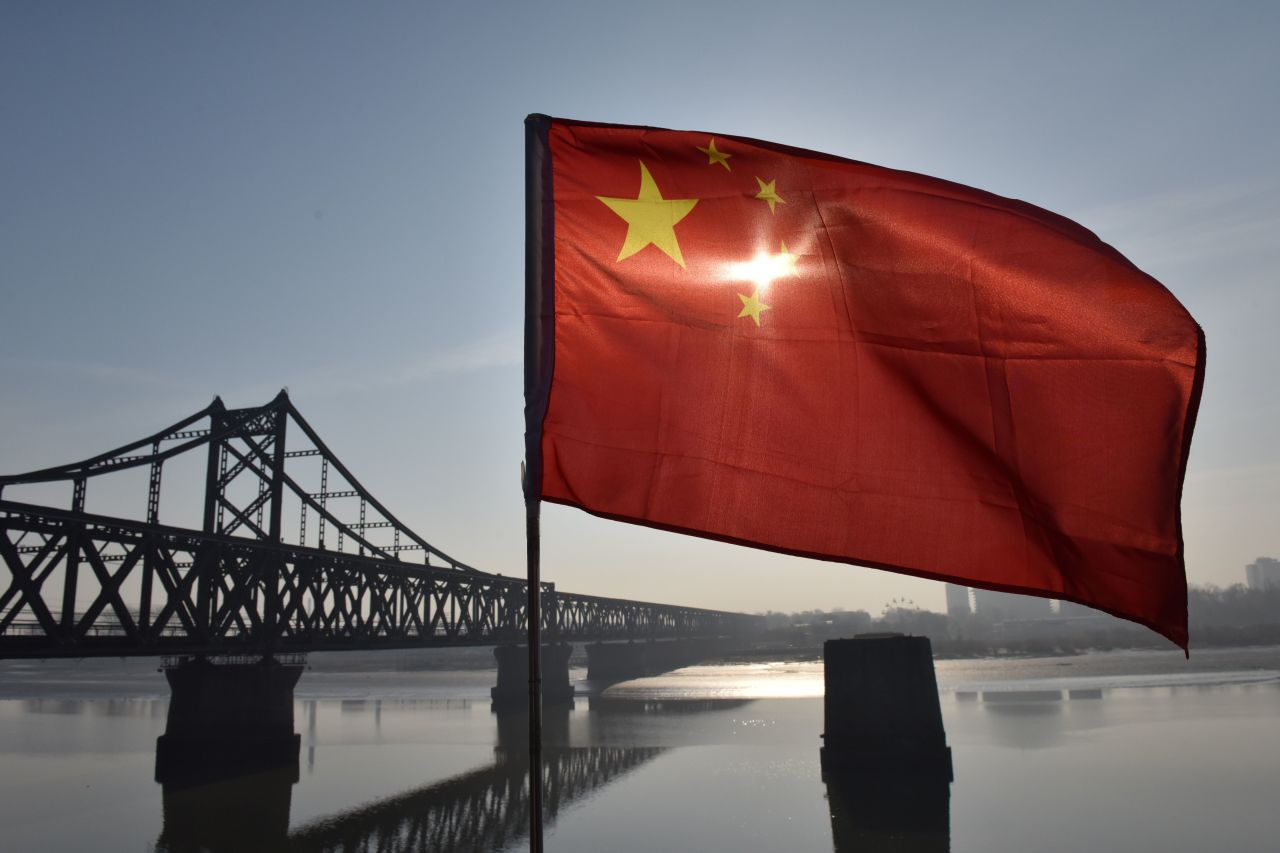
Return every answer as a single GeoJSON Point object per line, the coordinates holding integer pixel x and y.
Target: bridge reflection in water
{"type": "Point", "coordinates": [485, 809]}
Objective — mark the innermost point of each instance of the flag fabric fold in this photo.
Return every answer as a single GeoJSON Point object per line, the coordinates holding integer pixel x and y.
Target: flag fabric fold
{"type": "Point", "coordinates": [785, 349]}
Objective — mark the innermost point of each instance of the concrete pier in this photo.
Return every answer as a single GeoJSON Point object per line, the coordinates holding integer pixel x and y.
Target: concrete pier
{"type": "Point", "coordinates": [512, 689]}
{"type": "Point", "coordinates": [227, 719]}
{"type": "Point", "coordinates": [617, 661]}
{"type": "Point", "coordinates": [882, 715]}
{"type": "Point", "coordinates": [623, 661]}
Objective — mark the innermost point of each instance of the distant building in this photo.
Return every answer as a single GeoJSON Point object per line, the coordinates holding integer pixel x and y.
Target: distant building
{"type": "Point", "coordinates": [1005, 605]}
{"type": "Point", "coordinates": [1263, 573]}
{"type": "Point", "coordinates": [958, 600]}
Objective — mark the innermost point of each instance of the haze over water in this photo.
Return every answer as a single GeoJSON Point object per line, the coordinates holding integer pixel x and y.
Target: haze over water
{"type": "Point", "coordinates": [1118, 751]}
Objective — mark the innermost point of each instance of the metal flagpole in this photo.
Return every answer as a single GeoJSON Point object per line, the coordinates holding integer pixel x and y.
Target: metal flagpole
{"type": "Point", "coordinates": [538, 357]}
{"type": "Point", "coordinates": [533, 537]}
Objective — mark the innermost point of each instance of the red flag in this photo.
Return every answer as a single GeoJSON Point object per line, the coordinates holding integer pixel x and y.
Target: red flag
{"type": "Point", "coordinates": [793, 351]}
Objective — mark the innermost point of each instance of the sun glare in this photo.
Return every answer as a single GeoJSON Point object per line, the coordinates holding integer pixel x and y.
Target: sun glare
{"type": "Point", "coordinates": [763, 269]}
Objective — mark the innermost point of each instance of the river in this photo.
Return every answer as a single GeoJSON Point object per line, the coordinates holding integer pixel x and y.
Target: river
{"type": "Point", "coordinates": [1132, 751]}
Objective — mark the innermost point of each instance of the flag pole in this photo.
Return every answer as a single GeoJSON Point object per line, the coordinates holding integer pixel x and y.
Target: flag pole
{"type": "Point", "coordinates": [533, 537]}
{"type": "Point", "coordinates": [538, 355]}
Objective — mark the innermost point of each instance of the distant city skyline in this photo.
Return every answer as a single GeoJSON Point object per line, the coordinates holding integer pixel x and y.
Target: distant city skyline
{"type": "Point", "coordinates": [228, 199]}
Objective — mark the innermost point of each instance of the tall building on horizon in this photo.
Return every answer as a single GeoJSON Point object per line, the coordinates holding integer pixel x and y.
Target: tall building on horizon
{"type": "Point", "coordinates": [1263, 573]}
{"type": "Point", "coordinates": [958, 600]}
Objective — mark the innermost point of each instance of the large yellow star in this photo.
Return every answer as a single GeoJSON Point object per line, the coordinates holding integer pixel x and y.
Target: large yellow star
{"type": "Point", "coordinates": [650, 218]}
{"type": "Point", "coordinates": [714, 156]}
{"type": "Point", "coordinates": [752, 306]}
{"type": "Point", "coordinates": [770, 194]}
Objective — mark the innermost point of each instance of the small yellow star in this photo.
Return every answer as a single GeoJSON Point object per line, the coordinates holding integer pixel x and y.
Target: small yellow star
{"type": "Point", "coordinates": [770, 194]}
{"type": "Point", "coordinates": [752, 306]}
{"type": "Point", "coordinates": [714, 156]}
{"type": "Point", "coordinates": [650, 218]}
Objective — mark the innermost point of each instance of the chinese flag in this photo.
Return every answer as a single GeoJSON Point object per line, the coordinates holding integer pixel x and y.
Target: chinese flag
{"type": "Point", "coordinates": [793, 351]}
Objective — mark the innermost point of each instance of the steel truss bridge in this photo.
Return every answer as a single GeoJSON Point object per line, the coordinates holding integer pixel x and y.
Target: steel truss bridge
{"type": "Point", "coordinates": [289, 554]}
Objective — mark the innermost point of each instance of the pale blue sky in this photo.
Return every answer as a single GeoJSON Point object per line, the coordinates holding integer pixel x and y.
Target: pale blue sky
{"type": "Point", "coordinates": [201, 199]}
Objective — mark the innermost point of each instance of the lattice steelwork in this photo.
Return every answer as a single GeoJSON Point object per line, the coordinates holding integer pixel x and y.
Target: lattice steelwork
{"type": "Point", "coordinates": [82, 583]}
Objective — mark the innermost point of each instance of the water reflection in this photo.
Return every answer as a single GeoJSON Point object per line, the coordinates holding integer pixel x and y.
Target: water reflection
{"type": "Point", "coordinates": [485, 809]}
{"type": "Point", "coordinates": [513, 731]}
{"type": "Point", "coordinates": [889, 814]}
{"type": "Point", "coordinates": [1031, 726]}
{"type": "Point", "coordinates": [114, 707]}
{"type": "Point", "coordinates": [628, 705]}
{"type": "Point", "coordinates": [1039, 719]}
{"type": "Point", "coordinates": [247, 813]}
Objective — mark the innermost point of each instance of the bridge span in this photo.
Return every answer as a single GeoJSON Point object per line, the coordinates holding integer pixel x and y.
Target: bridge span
{"type": "Point", "coordinates": [290, 554]}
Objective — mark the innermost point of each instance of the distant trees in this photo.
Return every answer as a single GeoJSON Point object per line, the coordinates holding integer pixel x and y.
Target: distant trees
{"type": "Point", "coordinates": [1235, 605]}
{"type": "Point", "coordinates": [809, 628]}
{"type": "Point", "coordinates": [1233, 615]}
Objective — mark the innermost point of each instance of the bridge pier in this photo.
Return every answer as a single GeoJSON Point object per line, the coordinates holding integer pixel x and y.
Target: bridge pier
{"type": "Point", "coordinates": [674, 654]}
{"type": "Point", "coordinates": [885, 761]}
{"type": "Point", "coordinates": [227, 719]}
{"type": "Point", "coordinates": [882, 715]}
{"type": "Point", "coordinates": [512, 690]}
{"type": "Point", "coordinates": [616, 661]}
{"type": "Point", "coordinates": [623, 661]}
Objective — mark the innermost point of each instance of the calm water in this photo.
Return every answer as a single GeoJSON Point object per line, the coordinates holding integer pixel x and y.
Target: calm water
{"type": "Point", "coordinates": [1123, 751]}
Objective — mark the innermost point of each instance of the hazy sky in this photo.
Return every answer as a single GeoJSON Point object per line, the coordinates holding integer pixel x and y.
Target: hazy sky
{"type": "Point", "coordinates": [230, 198]}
